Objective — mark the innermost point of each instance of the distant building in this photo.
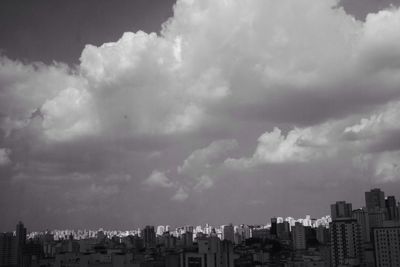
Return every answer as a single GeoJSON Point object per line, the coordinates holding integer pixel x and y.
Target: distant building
{"type": "Point", "coordinates": [362, 218]}
{"type": "Point", "coordinates": [375, 199]}
{"type": "Point", "coordinates": [228, 233]}
{"type": "Point", "coordinates": [149, 236]}
{"type": "Point", "coordinates": [322, 234]}
{"type": "Point", "coordinates": [273, 230]}
{"type": "Point", "coordinates": [375, 203]}
{"type": "Point", "coordinates": [387, 246]}
{"type": "Point", "coordinates": [8, 250]}
{"type": "Point", "coordinates": [341, 210]}
{"type": "Point", "coordinates": [210, 252]}
{"type": "Point", "coordinates": [283, 230]}
{"type": "Point", "coordinates": [299, 236]}
{"type": "Point", "coordinates": [21, 240]}
{"type": "Point", "coordinates": [392, 211]}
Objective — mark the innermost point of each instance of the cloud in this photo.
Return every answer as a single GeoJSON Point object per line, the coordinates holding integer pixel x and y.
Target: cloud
{"type": "Point", "coordinates": [302, 86]}
{"type": "Point", "coordinates": [204, 182]}
{"type": "Point", "coordinates": [180, 195]}
{"type": "Point", "coordinates": [158, 179]}
{"type": "Point", "coordinates": [69, 115]}
{"type": "Point", "coordinates": [5, 156]}
{"type": "Point", "coordinates": [299, 145]}
{"type": "Point", "coordinates": [201, 159]}
{"type": "Point", "coordinates": [378, 133]}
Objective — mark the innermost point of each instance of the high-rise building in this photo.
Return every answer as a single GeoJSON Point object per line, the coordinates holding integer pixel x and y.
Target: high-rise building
{"type": "Point", "coordinates": [346, 236]}
{"type": "Point", "coordinates": [387, 246]}
{"type": "Point", "coordinates": [341, 210]}
{"type": "Point", "coordinates": [21, 240]}
{"type": "Point", "coordinates": [273, 230]}
{"type": "Point", "coordinates": [228, 233]}
{"type": "Point", "coordinates": [322, 234]}
{"type": "Point", "coordinates": [392, 211]}
{"type": "Point", "coordinates": [361, 215]}
{"type": "Point", "coordinates": [283, 230]}
{"type": "Point", "coordinates": [149, 236]}
{"type": "Point", "coordinates": [8, 250]}
{"type": "Point", "coordinates": [187, 239]}
{"type": "Point", "coordinates": [375, 199]}
{"type": "Point", "coordinates": [375, 203]}
{"type": "Point", "coordinates": [299, 236]}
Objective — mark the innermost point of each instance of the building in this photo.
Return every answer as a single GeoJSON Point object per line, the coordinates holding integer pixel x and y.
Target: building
{"type": "Point", "coordinates": [149, 236]}
{"type": "Point", "coordinates": [228, 233]}
{"type": "Point", "coordinates": [8, 250]}
{"type": "Point", "coordinates": [362, 218]}
{"type": "Point", "coordinates": [392, 211]}
{"type": "Point", "coordinates": [299, 236]}
{"type": "Point", "coordinates": [283, 230]}
{"type": "Point", "coordinates": [375, 199]}
{"type": "Point", "coordinates": [273, 229]}
{"type": "Point", "coordinates": [341, 210]}
{"type": "Point", "coordinates": [21, 240]}
{"type": "Point", "coordinates": [322, 234]}
{"type": "Point", "coordinates": [376, 207]}
{"type": "Point", "coordinates": [387, 246]}
{"type": "Point", "coordinates": [346, 236]}
{"type": "Point", "coordinates": [210, 252]}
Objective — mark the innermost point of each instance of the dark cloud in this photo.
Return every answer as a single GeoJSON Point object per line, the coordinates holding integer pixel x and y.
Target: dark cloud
{"type": "Point", "coordinates": [361, 8]}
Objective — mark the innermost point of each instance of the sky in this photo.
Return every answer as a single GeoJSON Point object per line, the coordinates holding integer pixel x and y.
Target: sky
{"type": "Point", "coordinates": [156, 112]}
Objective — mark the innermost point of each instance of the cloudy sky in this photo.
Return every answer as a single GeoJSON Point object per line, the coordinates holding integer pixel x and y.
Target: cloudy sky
{"type": "Point", "coordinates": [155, 112]}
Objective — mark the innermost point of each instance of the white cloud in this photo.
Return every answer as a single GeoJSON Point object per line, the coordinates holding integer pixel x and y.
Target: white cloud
{"type": "Point", "coordinates": [69, 115]}
{"type": "Point", "coordinates": [158, 179]}
{"type": "Point", "coordinates": [204, 182]}
{"type": "Point", "coordinates": [180, 195]}
{"type": "Point", "coordinates": [384, 120]}
{"type": "Point", "coordinates": [5, 156]}
{"type": "Point", "coordinates": [201, 159]}
{"type": "Point", "coordinates": [299, 145]}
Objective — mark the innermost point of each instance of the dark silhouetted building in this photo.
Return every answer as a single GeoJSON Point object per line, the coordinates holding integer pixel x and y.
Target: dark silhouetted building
{"type": "Point", "coordinates": [375, 199]}
{"type": "Point", "coordinates": [149, 236]}
{"type": "Point", "coordinates": [392, 211]}
{"type": "Point", "coordinates": [21, 240]}
{"type": "Point", "coordinates": [273, 230]}
{"type": "Point", "coordinates": [8, 250]}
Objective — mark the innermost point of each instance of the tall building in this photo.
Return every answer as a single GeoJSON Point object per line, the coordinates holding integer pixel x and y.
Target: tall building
{"type": "Point", "coordinates": [346, 236]}
{"type": "Point", "coordinates": [228, 232]}
{"type": "Point", "coordinates": [375, 199]}
{"type": "Point", "coordinates": [362, 218]}
{"type": "Point", "coordinates": [387, 246]}
{"type": "Point", "coordinates": [21, 240]}
{"type": "Point", "coordinates": [375, 203]}
{"type": "Point", "coordinates": [187, 239]}
{"type": "Point", "coordinates": [8, 250]}
{"type": "Point", "coordinates": [299, 236]}
{"type": "Point", "coordinates": [392, 211]}
{"type": "Point", "coordinates": [273, 230]}
{"type": "Point", "coordinates": [322, 234]}
{"type": "Point", "coordinates": [283, 230]}
{"type": "Point", "coordinates": [149, 236]}
{"type": "Point", "coordinates": [341, 210]}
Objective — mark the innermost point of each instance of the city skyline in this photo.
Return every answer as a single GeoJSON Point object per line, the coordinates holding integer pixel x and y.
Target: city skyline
{"type": "Point", "coordinates": [367, 236]}
{"type": "Point", "coordinates": [195, 112]}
